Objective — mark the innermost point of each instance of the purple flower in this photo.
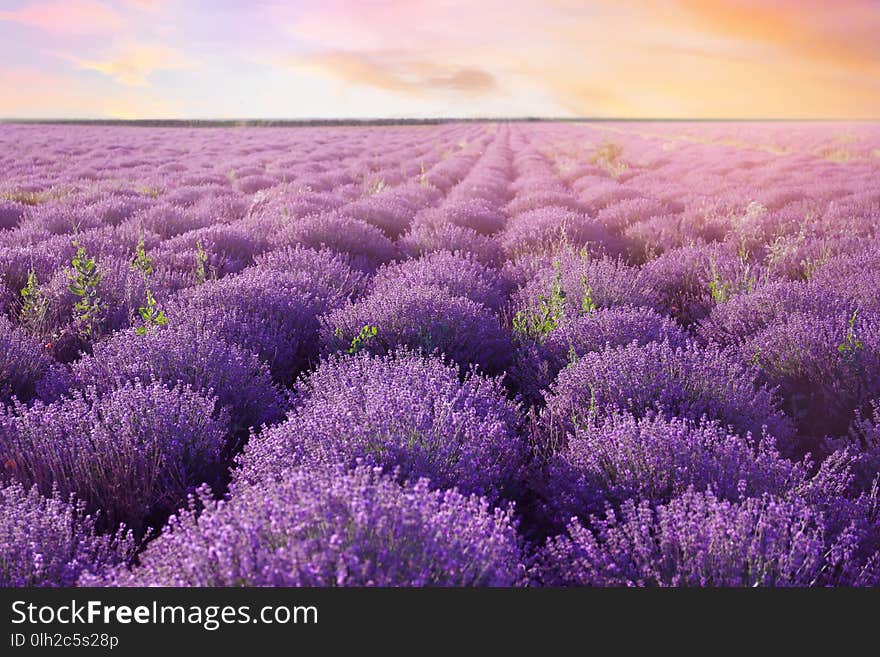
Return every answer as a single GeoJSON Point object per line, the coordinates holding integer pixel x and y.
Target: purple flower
{"type": "Point", "coordinates": [271, 313]}
{"type": "Point", "coordinates": [537, 365]}
{"type": "Point", "coordinates": [620, 457]}
{"type": "Point", "coordinates": [399, 412]}
{"type": "Point", "coordinates": [176, 355]}
{"type": "Point", "coordinates": [47, 541]}
{"type": "Point", "coordinates": [133, 452]}
{"type": "Point", "coordinates": [698, 540]}
{"type": "Point", "coordinates": [332, 527]}
{"type": "Point", "coordinates": [460, 274]}
{"type": "Point", "coordinates": [366, 246]}
{"type": "Point", "coordinates": [548, 228]}
{"type": "Point", "coordinates": [427, 238]}
{"type": "Point", "coordinates": [23, 362]}
{"type": "Point", "coordinates": [422, 317]}
{"type": "Point", "coordinates": [688, 382]}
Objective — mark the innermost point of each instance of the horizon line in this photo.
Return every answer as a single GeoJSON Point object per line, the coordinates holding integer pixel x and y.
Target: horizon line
{"type": "Point", "coordinates": [367, 121]}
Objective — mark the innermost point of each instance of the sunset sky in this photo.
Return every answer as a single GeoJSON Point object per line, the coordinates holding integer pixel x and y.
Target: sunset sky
{"type": "Point", "coordinates": [389, 58]}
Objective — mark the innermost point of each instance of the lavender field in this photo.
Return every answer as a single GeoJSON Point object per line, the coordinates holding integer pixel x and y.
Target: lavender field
{"type": "Point", "coordinates": [465, 354]}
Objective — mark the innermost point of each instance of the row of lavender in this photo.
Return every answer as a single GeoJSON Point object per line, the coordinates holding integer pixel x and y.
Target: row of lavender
{"type": "Point", "coordinates": [642, 354]}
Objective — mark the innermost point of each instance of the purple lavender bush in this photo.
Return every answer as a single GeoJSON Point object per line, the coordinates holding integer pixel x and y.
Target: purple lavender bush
{"type": "Point", "coordinates": [47, 541]}
{"type": "Point", "coordinates": [460, 274]}
{"type": "Point", "coordinates": [332, 527]}
{"type": "Point", "coordinates": [134, 452]}
{"type": "Point", "coordinates": [11, 214]}
{"type": "Point", "coordinates": [688, 281]}
{"type": "Point", "coordinates": [326, 274]}
{"type": "Point", "coordinates": [855, 276]}
{"type": "Point", "coordinates": [688, 382]}
{"type": "Point", "coordinates": [745, 315]}
{"type": "Point", "coordinates": [825, 367]}
{"type": "Point", "coordinates": [863, 440]}
{"type": "Point", "coordinates": [386, 211]}
{"type": "Point", "coordinates": [545, 229]}
{"type": "Point", "coordinates": [227, 249]}
{"type": "Point", "coordinates": [423, 317]}
{"type": "Point", "coordinates": [474, 213]}
{"type": "Point", "coordinates": [621, 457]}
{"type": "Point", "coordinates": [539, 362]}
{"type": "Point", "coordinates": [176, 355]}
{"type": "Point", "coordinates": [365, 245]}
{"type": "Point", "coordinates": [426, 238]}
{"type": "Point", "coordinates": [579, 283]}
{"type": "Point", "coordinates": [400, 412]}
{"type": "Point", "coordinates": [699, 540]}
{"type": "Point", "coordinates": [168, 219]}
{"type": "Point", "coordinates": [121, 291]}
{"type": "Point", "coordinates": [267, 312]}
{"type": "Point", "coordinates": [23, 362]}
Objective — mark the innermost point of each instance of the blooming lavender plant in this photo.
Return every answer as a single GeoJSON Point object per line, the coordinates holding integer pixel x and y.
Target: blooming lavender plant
{"type": "Point", "coordinates": [400, 412]}
{"type": "Point", "coordinates": [176, 355]}
{"type": "Point", "coordinates": [826, 367]}
{"type": "Point", "coordinates": [47, 541]}
{"type": "Point", "coordinates": [538, 364]}
{"type": "Point", "coordinates": [460, 274]}
{"type": "Point", "coordinates": [426, 238]}
{"type": "Point", "coordinates": [11, 214]}
{"type": "Point", "coordinates": [545, 229]}
{"type": "Point", "coordinates": [688, 382]}
{"type": "Point", "coordinates": [331, 527]}
{"type": "Point", "coordinates": [326, 274]}
{"type": "Point", "coordinates": [133, 453]}
{"type": "Point", "coordinates": [698, 540]}
{"type": "Point", "coordinates": [422, 317]}
{"type": "Point", "coordinates": [366, 246]}
{"type": "Point", "coordinates": [621, 457]}
{"type": "Point", "coordinates": [267, 312]}
{"type": "Point", "coordinates": [23, 362]}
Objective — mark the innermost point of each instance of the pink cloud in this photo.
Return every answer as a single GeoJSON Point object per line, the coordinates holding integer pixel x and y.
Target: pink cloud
{"type": "Point", "coordinates": [394, 72]}
{"type": "Point", "coordinates": [132, 63]}
{"type": "Point", "coordinates": [67, 17]}
{"type": "Point", "coordinates": [47, 95]}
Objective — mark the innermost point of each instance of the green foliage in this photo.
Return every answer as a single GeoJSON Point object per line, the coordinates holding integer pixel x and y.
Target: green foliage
{"type": "Point", "coordinates": [851, 343]}
{"type": "Point", "coordinates": [536, 323]}
{"type": "Point", "coordinates": [609, 156]}
{"type": "Point", "coordinates": [376, 187]}
{"type": "Point", "coordinates": [360, 341]}
{"type": "Point", "coordinates": [142, 262]}
{"type": "Point", "coordinates": [84, 279]}
{"type": "Point", "coordinates": [150, 314]}
{"type": "Point", "coordinates": [723, 290]}
{"type": "Point", "coordinates": [587, 304]}
{"type": "Point", "coordinates": [152, 192]}
{"type": "Point", "coordinates": [34, 305]}
{"type": "Point", "coordinates": [756, 358]}
{"type": "Point", "coordinates": [201, 274]}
